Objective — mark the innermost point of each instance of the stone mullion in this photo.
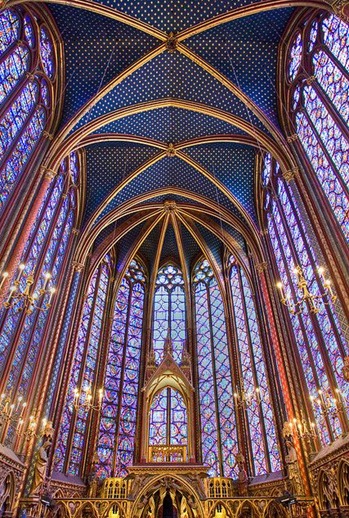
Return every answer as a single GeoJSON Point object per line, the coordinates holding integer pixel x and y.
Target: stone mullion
{"type": "Point", "coordinates": [304, 333]}
{"type": "Point", "coordinates": [92, 423]}
{"type": "Point", "coordinates": [24, 316]}
{"type": "Point", "coordinates": [81, 371]}
{"type": "Point", "coordinates": [53, 226]}
{"type": "Point", "coordinates": [254, 371]}
{"type": "Point", "coordinates": [326, 153]}
{"type": "Point", "coordinates": [59, 399]}
{"type": "Point", "coordinates": [275, 389]}
{"type": "Point", "coordinates": [235, 367]}
{"type": "Point", "coordinates": [316, 274]}
{"type": "Point", "coordinates": [213, 359]}
{"type": "Point", "coordinates": [195, 372]}
{"type": "Point", "coordinates": [43, 385]}
{"type": "Point", "coordinates": [122, 372]}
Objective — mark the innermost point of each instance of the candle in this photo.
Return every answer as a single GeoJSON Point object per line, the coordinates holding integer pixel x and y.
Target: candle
{"type": "Point", "coordinates": [280, 286]}
{"type": "Point", "coordinates": [20, 271]}
{"type": "Point", "coordinates": [52, 291]}
{"type": "Point", "coordinates": [47, 278]}
{"type": "Point", "coordinates": [4, 276]}
{"type": "Point", "coordinates": [19, 425]}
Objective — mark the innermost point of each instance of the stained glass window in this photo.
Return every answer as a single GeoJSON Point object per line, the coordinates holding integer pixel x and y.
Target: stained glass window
{"type": "Point", "coordinates": [117, 426]}
{"type": "Point", "coordinates": [318, 71]}
{"type": "Point", "coordinates": [168, 421]}
{"type": "Point", "coordinates": [253, 376]}
{"type": "Point", "coordinates": [216, 394]}
{"type": "Point", "coordinates": [321, 345]}
{"type": "Point", "coordinates": [169, 314]}
{"type": "Point", "coordinates": [83, 373]}
{"type": "Point", "coordinates": [24, 93]}
{"type": "Point", "coordinates": [44, 252]}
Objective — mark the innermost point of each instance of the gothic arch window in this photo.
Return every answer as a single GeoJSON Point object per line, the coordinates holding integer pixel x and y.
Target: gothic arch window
{"type": "Point", "coordinates": [168, 423]}
{"type": "Point", "coordinates": [262, 436]}
{"type": "Point", "coordinates": [74, 429]}
{"type": "Point", "coordinates": [117, 427]}
{"type": "Point", "coordinates": [28, 83]}
{"type": "Point", "coordinates": [317, 68]}
{"type": "Point", "coordinates": [321, 345]}
{"type": "Point", "coordinates": [45, 252]}
{"type": "Point", "coordinates": [216, 395]}
{"type": "Point", "coordinates": [169, 314]}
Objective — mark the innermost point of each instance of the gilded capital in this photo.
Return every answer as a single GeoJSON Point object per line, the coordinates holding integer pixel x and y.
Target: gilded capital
{"type": "Point", "coordinates": [341, 9]}
{"type": "Point", "coordinates": [261, 267]}
{"type": "Point", "coordinates": [48, 135]}
{"type": "Point", "coordinates": [290, 175]}
{"type": "Point", "coordinates": [49, 174]}
{"type": "Point", "coordinates": [78, 267]}
{"type": "Point", "coordinates": [292, 138]}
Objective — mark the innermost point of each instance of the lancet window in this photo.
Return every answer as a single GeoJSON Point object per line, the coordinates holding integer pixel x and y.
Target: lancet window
{"type": "Point", "coordinates": [321, 345]}
{"type": "Point", "coordinates": [168, 424]}
{"type": "Point", "coordinates": [253, 388]}
{"type": "Point", "coordinates": [73, 434]}
{"type": "Point", "coordinates": [117, 428]}
{"type": "Point", "coordinates": [27, 77]}
{"type": "Point", "coordinates": [318, 86]}
{"type": "Point", "coordinates": [216, 394]}
{"type": "Point", "coordinates": [169, 316]}
{"type": "Point", "coordinates": [44, 253]}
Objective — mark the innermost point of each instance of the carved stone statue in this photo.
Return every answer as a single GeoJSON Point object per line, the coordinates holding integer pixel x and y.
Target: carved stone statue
{"type": "Point", "coordinates": [242, 477]}
{"type": "Point", "coordinates": [289, 444]}
{"type": "Point", "coordinates": [40, 467]}
{"type": "Point", "coordinates": [345, 370]}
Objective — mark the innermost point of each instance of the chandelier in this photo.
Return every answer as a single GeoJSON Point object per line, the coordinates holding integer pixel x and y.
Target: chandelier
{"type": "Point", "coordinates": [244, 399]}
{"type": "Point", "coordinates": [328, 404]}
{"type": "Point", "coordinates": [26, 298]}
{"type": "Point", "coordinates": [13, 414]}
{"type": "Point", "coordinates": [314, 300]}
{"type": "Point", "coordinates": [301, 428]}
{"type": "Point", "coordinates": [83, 398]}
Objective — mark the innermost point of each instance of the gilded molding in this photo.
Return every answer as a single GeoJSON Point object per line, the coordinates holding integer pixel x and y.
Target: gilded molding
{"type": "Point", "coordinates": [310, 80]}
{"type": "Point", "coordinates": [291, 174]}
{"type": "Point", "coordinates": [292, 138]}
{"type": "Point", "coordinates": [47, 135]}
{"type": "Point", "coordinates": [341, 9]}
{"type": "Point", "coordinates": [261, 267]}
{"type": "Point", "coordinates": [77, 266]}
{"type": "Point", "coordinates": [48, 173]}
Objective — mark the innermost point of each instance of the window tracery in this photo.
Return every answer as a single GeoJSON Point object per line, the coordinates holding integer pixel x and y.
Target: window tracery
{"type": "Point", "coordinates": [321, 345]}
{"type": "Point", "coordinates": [117, 427]}
{"type": "Point", "coordinates": [253, 375]}
{"type": "Point", "coordinates": [169, 315]}
{"type": "Point", "coordinates": [318, 72]}
{"type": "Point", "coordinates": [25, 91]}
{"type": "Point", "coordinates": [45, 251]}
{"type": "Point", "coordinates": [216, 398]}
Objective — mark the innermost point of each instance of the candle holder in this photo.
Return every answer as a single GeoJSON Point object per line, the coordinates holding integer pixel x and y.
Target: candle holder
{"type": "Point", "coordinates": [83, 398]}
{"type": "Point", "coordinates": [244, 399]}
{"type": "Point", "coordinates": [26, 298]}
{"type": "Point", "coordinates": [314, 301]}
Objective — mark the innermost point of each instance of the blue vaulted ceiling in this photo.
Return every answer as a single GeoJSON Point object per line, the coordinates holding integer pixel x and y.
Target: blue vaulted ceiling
{"type": "Point", "coordinates": [244, 50]}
